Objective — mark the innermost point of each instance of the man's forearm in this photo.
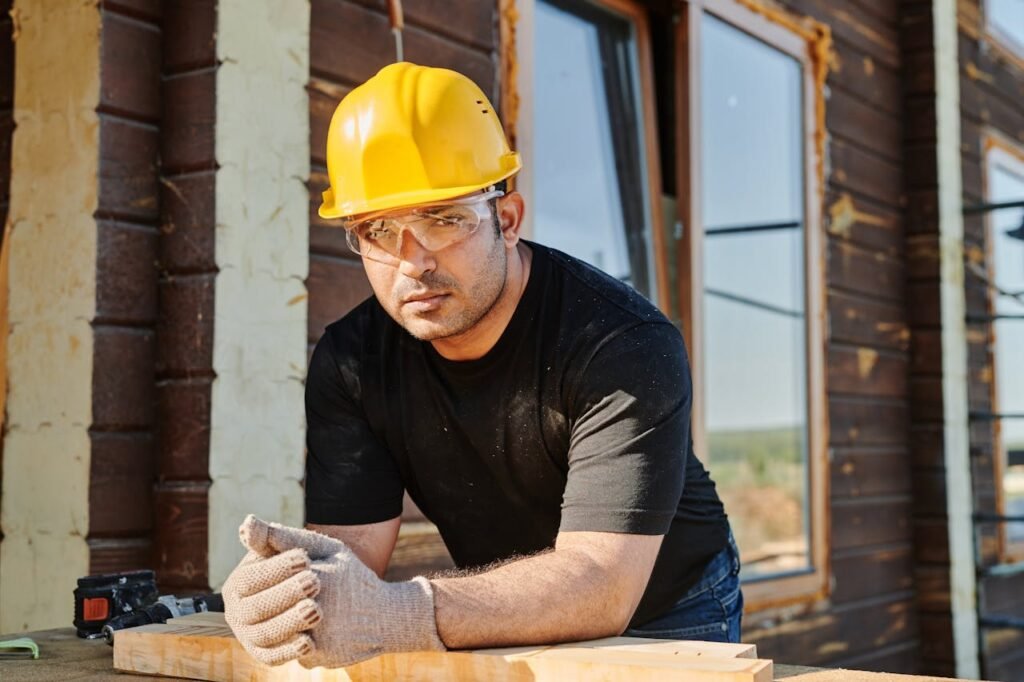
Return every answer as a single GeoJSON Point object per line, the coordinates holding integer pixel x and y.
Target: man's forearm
{"type": "Point", "coordinates": [568, 594]}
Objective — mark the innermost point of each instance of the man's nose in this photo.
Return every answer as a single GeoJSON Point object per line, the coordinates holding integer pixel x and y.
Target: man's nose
{"type": "Point", "coordinates": [413, 259]}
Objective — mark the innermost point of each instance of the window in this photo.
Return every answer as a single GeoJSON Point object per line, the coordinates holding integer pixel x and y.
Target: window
{"type": "Point", "coordinates": [1005, 184]}
{"type": "Point", "coordinates": [746, 257]}
{"type": "Point", "coordinates": [754, 383]}
{"type": "Point", "coordinates": [590, 165]}
{"type": "Point", "coordinates": [1004, 20]}
{"type": "Point", "coordinates": [753, 297]}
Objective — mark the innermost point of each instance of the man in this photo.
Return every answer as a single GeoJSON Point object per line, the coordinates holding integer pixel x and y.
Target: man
{"type": "Point", "coordinates": [534, 408]}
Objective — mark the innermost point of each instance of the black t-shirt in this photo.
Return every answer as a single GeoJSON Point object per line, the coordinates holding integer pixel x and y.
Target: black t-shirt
{"type": "Point", "coordinates": [577, 420]}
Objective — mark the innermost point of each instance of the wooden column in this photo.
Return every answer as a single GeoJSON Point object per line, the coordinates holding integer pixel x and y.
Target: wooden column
{"type": "Point", "coordinates": [944, 552]}
{"type": "Point", "coordinates": [188, 270]}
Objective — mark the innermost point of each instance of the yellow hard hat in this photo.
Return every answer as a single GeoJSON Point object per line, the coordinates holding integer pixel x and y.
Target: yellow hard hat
{"type": "Point", "coordinates": [412, 135]}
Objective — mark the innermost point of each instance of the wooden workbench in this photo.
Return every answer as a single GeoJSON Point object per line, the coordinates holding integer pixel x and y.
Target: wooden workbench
{"type": "Point", "coordinates": [63, 656]}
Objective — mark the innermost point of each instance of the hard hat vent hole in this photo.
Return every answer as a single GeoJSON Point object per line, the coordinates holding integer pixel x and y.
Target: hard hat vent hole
{"type": "Point", "coordinates": [483, 111]}
{"type": "Point", "coordinates": [479, 101]}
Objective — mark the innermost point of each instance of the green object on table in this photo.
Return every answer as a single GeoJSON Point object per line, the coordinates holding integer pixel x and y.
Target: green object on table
{"type": "Point", "coordinates": [23, 647]}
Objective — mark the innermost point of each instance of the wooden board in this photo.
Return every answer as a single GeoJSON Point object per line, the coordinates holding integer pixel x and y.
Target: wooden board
{"type": "Point", "coordinates": [202, 647]}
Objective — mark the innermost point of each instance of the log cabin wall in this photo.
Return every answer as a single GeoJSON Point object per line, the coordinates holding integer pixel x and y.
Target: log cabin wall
{"type": "Point", "coordinates": [992, 106]}
{"type": "Point", "coordinates": [350, 40]}
{"type": "Point", "coordinates": [6, 105]}
{"type": "Point", "coordinates": [869, 618]}
{"type": "Point", "coordinates": [923, 281]}
{"type": "Point", "coordinates": [127, 219]}
{"type": "Point", "coordinates": [187, 272]}
{"type": "Point", "coordinates": [6, 130]}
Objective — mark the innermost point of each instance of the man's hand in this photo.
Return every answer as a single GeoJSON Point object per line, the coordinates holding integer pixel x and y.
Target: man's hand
{"type": "Point", "coordinates": [356, 614]}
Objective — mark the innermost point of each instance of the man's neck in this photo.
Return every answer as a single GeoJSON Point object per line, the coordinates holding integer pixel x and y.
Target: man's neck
{"type": "Point", "coordinates": [475, 342]}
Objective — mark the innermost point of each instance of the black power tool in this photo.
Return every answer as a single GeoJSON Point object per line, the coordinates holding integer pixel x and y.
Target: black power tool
{"type": "Point", "coordinates": [98, 598]}
{"type": "Point", "coordinates": [110, 602]}
{"type": "Point", "coordinates": [165, 608]}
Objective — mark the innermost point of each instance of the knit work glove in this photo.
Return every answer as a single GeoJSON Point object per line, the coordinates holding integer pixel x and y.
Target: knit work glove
{"type": "Point", "coordinates": [358, 616]}
{"type": "Point", "coordinates": [268, 602]}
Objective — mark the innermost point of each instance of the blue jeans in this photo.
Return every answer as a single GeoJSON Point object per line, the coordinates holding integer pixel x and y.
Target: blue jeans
{"type": "Point", "coordinates": [711, 611]}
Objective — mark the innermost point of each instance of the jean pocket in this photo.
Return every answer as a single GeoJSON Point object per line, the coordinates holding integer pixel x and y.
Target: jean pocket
{"type": "Point", "coordinates": [717, 631]}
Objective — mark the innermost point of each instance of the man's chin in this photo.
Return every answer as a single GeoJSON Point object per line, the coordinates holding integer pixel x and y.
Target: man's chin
{"type": "Point", "coordinates": [424, 329]}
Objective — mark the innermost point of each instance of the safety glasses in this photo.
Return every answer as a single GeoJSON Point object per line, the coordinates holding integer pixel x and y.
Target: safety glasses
{"type": "Point", "coordinates": [379, 236]}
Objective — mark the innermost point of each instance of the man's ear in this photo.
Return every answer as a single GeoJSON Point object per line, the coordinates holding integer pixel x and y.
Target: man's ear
{"type": "Point", "coordinates": [511, 209]}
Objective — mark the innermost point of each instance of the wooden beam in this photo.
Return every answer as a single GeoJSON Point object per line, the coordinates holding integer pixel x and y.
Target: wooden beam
{"type": "Point", "coordinates": [202, 647]}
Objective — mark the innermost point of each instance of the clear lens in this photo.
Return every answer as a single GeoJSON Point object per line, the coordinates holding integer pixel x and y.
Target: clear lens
{"type": "Point", "coordinates": [379, 236]}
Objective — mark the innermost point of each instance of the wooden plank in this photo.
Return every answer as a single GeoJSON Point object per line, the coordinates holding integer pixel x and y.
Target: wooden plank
{"type": "Point", "coordinates": [866, 371]}
{"type": "Point", "coordinates": [874, 82]}
{"type": "Point", "coordinates": [870, 34]}
{"type": "Point", "coordinates": [187, 224]}
{"type": "Point", "coordinates": [864, 173]}
{"type": "Point", "coordinates": [861, 321]}
{"type": "Point", "coordinates": [122, 471]}
{"type": "Point", "coordinates": [127, 291]}
{"type": "Point", "coordinates": [336, 285]}
{"type": "Point", "coordinates": [349, 43]}
{"type": "Point", "coordinates": [865, 472]}
{"type": "Point", "coordinates": [866, 573]}
{"type": "Point", "coordinates": [851, 118]}
{"type": "Point", "coordinates": [130, 68]}
{"type": "Point", "coordinates": [112, 555]}
{"type": "Point", "coordinates": [324, 97]}
{"type": "Point", "coordinates": [189, 35]}
{"type": "Point", "coordinates": [865, 272]}
{"type": "Point", "coordinates": [859, 421]}
{"type": "Point", "coordinates": [870, 521]}
{"type": "Point", "coordinates": [864, 222]}
{"type": "Point", "coordinates": [848, 630]}
{"type": "Point", "coordinates": [187, 127]}
{"type": "Point", "coordinates": [183, 412]}
{"type": "Point", "coordinates": [185, 327]}
{"type": "Point", "coordinates": [202, 647]}
{"type": "Point", "coordinates": [122, 390]}
{"type": "Point", "coordinates": [181, 535]}
{"type": "Point", "coordinates": [129, 183]}
{"type": "Point", "coordinates": [468, 21]}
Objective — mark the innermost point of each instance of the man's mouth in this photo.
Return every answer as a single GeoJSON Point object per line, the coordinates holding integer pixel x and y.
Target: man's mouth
{"type": "Point", "coordinates": [424, 302]}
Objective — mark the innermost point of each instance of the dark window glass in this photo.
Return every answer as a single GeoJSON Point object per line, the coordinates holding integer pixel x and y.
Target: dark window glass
{"type": "Point", "coordinates": [590, 188]}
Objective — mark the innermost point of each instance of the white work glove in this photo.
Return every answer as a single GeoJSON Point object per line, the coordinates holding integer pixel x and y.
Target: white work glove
{"type": "Point", "coordinates": [359, 616]}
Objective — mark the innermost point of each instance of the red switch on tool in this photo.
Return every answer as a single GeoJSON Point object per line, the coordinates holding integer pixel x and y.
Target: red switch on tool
{"type": "Point", "coordinates": [96, 609]}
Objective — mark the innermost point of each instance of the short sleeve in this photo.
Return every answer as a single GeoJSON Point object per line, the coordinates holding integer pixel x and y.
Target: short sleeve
{"type": "Point", "coordinates": [630, 415]}
{"type": "Point", "coordinates": [351, 478]}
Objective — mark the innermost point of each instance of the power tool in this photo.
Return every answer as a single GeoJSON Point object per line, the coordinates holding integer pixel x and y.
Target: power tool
{"type": "Point", "coordinates": [98, 598]}
{"type": "Point", "coordinates": [165, 608]}
{"type": "Point", "coordinates": [108, 602]}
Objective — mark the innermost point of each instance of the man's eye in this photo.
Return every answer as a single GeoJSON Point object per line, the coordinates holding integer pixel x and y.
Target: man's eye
{"type": "Point", "coordinates": [376, 232]}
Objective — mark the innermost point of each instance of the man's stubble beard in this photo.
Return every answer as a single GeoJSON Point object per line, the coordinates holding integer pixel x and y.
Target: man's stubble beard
{"type": "Point", "coordinates": [484, 294]}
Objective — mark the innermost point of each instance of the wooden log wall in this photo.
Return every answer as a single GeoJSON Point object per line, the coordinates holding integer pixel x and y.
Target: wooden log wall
{"type": "Point", "coordinates": [6, 131]}
{"type": "Point", "coordinates": [6, 106]}
{"type": "Point", "coordinates": [350, 40]}
{"type": "Point", "coordinates": [122, 434]}
{"type": "Point", "coordinates": [184, 368]}
{"type": "Point", "coordinates": [869, 620]}
{"type": "Point", "coordinates": [992, 101]}
{"type": "Point", "coordinates": [932, 558]}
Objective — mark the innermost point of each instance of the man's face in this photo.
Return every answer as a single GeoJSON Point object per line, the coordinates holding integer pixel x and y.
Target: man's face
{"type": "Point", "coordinates": [440, 294]}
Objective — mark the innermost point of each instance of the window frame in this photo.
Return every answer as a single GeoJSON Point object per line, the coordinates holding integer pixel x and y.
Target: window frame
{"type": "Point", "coordinates": [998, 149]}
{"type": "Point", "coordinates": [769, 592]}
{"type": "Point", "coordinates": [1006, 44]}
{"type": "Point", "coordinates": [516, 64]}
{"type": "Point", "coordinates": [516, 19]}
